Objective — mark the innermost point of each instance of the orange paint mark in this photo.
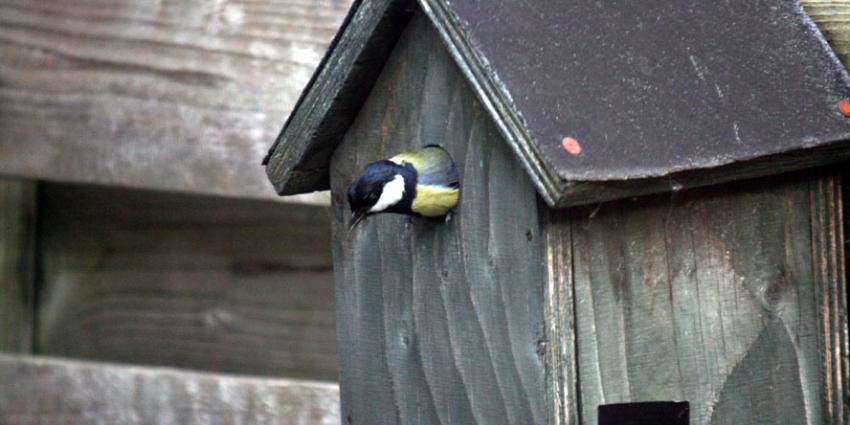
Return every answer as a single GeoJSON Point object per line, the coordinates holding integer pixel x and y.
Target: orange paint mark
{"type": "Point", "coordinates": [844, 107]}
{"type": "Point", "coordinates": [572, 147]}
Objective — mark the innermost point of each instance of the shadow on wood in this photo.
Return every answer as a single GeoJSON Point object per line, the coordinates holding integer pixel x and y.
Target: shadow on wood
{"type": "Point", "coordinates": [198, 282]}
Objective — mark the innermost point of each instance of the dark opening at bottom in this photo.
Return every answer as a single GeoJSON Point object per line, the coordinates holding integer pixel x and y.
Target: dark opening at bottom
{"type": "Point", "coordinates": [647, 413]}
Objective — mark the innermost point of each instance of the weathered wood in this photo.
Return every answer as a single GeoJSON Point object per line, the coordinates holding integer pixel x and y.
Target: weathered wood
{"type": "Point", "coordinates": [197, 282]}
{"type": "Point", "coordinates": [827, 212]}
{"type": "Point", "coordinates": [17, 264]}
{"type": "Point", "coordinates": [298, 162]}
{"type": "Point", "coordinates": [47, 391]}
{"type": "Point", "coordinates": [172, 95]}
{"type": "Point", "coordinates": [831, 17]}
{"type": "Point", "coordinates": [562, 389]}
{"type": "Point", "coordinates": [729, 298]}
{"type": "Point", "coordinates": [438, 323]}
{"type": "Point", "coordinates": [845, 189]}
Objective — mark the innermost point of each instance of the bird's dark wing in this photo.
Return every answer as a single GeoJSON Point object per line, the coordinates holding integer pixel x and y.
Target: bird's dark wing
{"type": "Point", "coordinates": [433, 165]}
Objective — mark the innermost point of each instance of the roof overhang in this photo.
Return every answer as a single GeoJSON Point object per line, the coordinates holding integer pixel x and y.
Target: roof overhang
{"type": "Point", "coordinates": [724, 93]}
{"type": "Point", "coordinates": [298, 161]}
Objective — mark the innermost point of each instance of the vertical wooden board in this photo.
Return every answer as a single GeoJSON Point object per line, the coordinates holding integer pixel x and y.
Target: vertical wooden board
{"type": "Point", "coordinates": [438, 322]}
{"type": "Point", "coordinates": [830, 271]}
{"type": "Point", "coordinates": [17, 264]}
{"type": "Point", "coordinates": [562, 387]}
{"type": "Point", "coordinates": [831, 18]}
{"type": "Point", "coordinates": [197, 282]}
{"type": "Point", "coordinates": [843, 293]}
{"type": "Point", "coordinates": [709, 296]}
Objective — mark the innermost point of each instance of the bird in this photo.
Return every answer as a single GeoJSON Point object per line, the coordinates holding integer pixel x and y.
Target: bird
{"type": "Point", "coordinates": [423, 183]}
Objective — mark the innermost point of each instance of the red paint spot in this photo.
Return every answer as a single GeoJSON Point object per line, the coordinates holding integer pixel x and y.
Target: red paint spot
{"type": "Point", "coordinates": [844, 107]}
{"type": "Point", "coordinates": [572, 147]}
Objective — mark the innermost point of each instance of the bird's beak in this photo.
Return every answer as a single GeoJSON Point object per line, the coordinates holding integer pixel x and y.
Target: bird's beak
{"type": "Point", "coordinates": [356, 217]}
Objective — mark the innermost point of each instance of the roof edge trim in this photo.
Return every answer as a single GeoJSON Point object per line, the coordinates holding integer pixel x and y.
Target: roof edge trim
{"type": "Point", "coordinates": [493, 98]}
{"type": "Point", "coordinates": [299, 159]}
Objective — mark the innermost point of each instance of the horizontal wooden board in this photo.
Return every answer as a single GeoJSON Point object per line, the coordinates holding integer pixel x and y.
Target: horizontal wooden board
{"type": "Point", "coordinates": [197, 282]}
{"type": "Point", "coordinates": [833, 19]}
{"type": "Point", "coordinates": [43, 391]}
{"type": "Point", "coordinates": [182, 95]}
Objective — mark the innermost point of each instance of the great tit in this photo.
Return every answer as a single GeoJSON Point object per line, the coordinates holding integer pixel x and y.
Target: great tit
{"type": "Point", "coordinates": [420, 183]}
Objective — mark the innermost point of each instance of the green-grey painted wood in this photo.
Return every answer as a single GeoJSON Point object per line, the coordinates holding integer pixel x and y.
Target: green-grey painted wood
{"type": "Point", "coordinates": [198, 282]}
{"type": "Point", "coordinates": [438, 323]}
{"type": "Point", "coordinates": [729, 298]}
{"type": "Point", "coordinates": [17, 264]}
{"type": "Point", "coordinates": [299, 159]}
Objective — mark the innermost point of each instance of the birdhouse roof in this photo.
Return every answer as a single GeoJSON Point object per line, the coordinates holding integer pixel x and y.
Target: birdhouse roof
{"type": "Point", "coordinates": [601, 100]}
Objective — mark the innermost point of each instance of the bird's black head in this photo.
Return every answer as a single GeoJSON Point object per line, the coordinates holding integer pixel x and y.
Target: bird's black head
{"type": "Point", "coordinates": [379, 187]}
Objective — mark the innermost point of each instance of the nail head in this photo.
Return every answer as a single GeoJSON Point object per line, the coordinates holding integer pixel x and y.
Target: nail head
{"type": "Point", "coordinates": [573, 148]}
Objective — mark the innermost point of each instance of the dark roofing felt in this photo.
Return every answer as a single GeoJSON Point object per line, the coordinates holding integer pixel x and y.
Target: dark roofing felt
{"type": "Point", "coordinates": [601, 99]}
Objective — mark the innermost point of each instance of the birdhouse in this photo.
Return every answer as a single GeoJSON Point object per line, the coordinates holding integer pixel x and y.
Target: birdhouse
{"type": "Point", "coordinates": [650, 219]}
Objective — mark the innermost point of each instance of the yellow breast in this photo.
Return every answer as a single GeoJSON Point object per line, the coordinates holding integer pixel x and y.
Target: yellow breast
{"type": "Point", "coordinates": [434, 201]}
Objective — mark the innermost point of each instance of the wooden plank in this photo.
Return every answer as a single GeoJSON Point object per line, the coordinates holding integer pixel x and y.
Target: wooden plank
{"type": "Point", "coordinates": [298, 162]}
{"type": "Point", "coordinates": [47, 391]}
{"type": "Point", "coordinates": [830, 273]}
{"type": "Point", "coordinates": [17, 265]}
{"type": "Point", "coordinates": [438, 323]}
{"type": "Point", "coordinates": [196, 282]}
{"type": "Point", "coordinates": [562, 389]}
{"type": "Point", "coordinates": [562, 386]}
{"type": "Point", "coordinates": [172, 95]}
{"type": "Point", "coordinates": [831, 17]}
{"type": "Point", "coordinates": [728, 298]}
{"type": "Point", "coordinates": [845, 238]}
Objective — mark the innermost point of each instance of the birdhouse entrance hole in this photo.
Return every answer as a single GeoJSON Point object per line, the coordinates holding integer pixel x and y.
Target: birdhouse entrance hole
{"type": "Point", "coordinates": [648, 413]}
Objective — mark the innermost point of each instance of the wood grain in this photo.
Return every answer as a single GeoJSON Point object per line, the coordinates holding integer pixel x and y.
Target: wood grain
{"type": "Point", "coordinates": [49, 391]}
{"type": "Point", "coordinates": [831, 17]}
{"type": "Point", "coordinates": [17, 264]}
{"type": "Point", "coordinates": [189, 281]}
{"type": "Point", "coordinates": [183, 95]}
{"type": "Point", "coordinates": [563, 396]}
{"type": "Point", "coordinates": [728, 298]}
{"type": "Point", "coordinates": [827, 213]}
{"type": "Point", "coordinates": [438, 323]}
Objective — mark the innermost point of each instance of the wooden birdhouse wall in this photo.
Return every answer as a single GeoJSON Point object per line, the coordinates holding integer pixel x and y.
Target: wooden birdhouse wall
{"type": "Point", "coordinates": [438, 323]}
{"type": "Point", "coordinates": [731, 298]}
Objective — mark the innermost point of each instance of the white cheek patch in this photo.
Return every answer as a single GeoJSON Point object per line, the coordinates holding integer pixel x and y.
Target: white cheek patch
{"type": "Point", "coordinates": [391, 194]}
